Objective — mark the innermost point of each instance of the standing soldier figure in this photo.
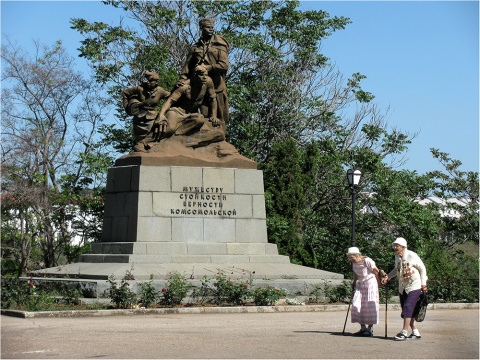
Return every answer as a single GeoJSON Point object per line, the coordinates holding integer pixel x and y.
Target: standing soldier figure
{"type": "Point", "coordinates": [211, 51]}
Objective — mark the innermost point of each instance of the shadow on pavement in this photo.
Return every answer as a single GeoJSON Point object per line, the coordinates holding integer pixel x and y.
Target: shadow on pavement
{"type": "Point", "coordinates": [343, 334]}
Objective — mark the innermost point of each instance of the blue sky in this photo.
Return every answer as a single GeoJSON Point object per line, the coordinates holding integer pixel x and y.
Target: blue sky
{"type": "Point", "coordinates": [421, 59]}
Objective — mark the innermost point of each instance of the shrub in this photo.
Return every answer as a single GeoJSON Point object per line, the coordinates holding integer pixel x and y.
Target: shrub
{"type": "Point", "coordinates": [122, 296]}
{"type": "Point", "coordinates": [204, 293]}
{"type": "Point", "coordinates": [453, 290]}
{"type": "Point", "coordinates": [340, 293]}
{"type": "Point", "coordinates": [71, 296]}
{"type": "Point", "coordinates": [148, 294]}
{"type": "Point", "coordinates": [227, 291]}
{"type": "Point", "coordinates": [40, 300]}
{"type": "Point", "coordinates": [176, 289]}
{"type": "Point", "coordinates": [95, 306]}
{"type": "Point", "coordinates": [25, 295]}
{"type": "Point", "coordinates": [315, 294]}
{"type": "Point", "coordinates": [22, 294]}
{"type": "Point", "coordinates": [15, 292]}
{"type": "Point", "coordinates": [267, 296]}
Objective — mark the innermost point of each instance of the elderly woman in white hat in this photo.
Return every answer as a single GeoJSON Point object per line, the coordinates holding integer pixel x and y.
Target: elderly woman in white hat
{"type": "Point", "coordinates": [412, 280]}
{"type": "Point", "coordinates": [365, 306]}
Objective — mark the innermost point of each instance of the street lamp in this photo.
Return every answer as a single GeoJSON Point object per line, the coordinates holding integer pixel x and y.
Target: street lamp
{"type": "Point", "coordinates": [353, 177]}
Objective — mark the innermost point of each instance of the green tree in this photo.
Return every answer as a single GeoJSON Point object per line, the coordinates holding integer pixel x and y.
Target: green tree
{"type": "Point", "coordinates": [284, 198]}
{"type": "Point", "coordinates": [50, 119]}
{"type": "Point", "coordinates": [461, 190]}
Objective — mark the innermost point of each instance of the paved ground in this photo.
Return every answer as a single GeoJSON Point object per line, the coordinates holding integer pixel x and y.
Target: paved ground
{"type": "Point", "coordinates": [447, 334]}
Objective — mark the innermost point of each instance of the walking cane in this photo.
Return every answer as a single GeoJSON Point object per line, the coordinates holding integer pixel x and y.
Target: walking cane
{"type": "Point", "coordinates": [348, 310]}
{"type": "Point", "coordinates": [386, 308]}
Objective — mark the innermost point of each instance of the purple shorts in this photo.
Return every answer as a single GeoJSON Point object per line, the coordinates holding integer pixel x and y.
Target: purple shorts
{"type": "Point", "coordinates": [408, 302]}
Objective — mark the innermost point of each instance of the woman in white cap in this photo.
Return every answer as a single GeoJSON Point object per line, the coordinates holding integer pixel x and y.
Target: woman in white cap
{"type": "Point", "coordinates": [366, 298]}
{"type": "Point", "coordinates": [412, 280]}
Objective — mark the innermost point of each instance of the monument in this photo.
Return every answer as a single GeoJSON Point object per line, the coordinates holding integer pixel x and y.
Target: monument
{"type": "Point", "coordinates": [184, 200]}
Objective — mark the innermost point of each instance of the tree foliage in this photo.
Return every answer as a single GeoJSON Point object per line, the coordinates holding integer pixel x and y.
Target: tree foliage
{"type": "Point", "coordinates": [454, 184]}
{"type": "Point", "coordinates": [50, 117]}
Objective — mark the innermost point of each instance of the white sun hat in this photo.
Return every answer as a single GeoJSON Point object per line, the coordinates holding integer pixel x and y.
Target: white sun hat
{"type": "Point", "coordinates": [353, 250]}
{"type": "Point", "coordinates": [400, 241]}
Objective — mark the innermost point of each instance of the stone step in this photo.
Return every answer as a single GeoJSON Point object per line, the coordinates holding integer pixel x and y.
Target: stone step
{"type": "Point", "coordinates": [183, 248]}
{"type": "Point", "coordinates": [104, 258]}
{"type": "Point", "coordinates": [182, 259]}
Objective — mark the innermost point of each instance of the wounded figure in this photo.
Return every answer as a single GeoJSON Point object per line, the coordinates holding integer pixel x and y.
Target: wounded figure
{"type": "Point", "coordinates": [180, 115]}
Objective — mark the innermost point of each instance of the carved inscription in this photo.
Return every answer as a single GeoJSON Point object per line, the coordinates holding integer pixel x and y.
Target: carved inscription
{"type": "Point", "coordinates": [203, 201]}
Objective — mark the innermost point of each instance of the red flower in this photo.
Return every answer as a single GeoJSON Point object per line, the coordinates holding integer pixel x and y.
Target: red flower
{"type": "Point", "coordinates": [163, 289]}
{"type": "Point", "coordinates": [30, 283]}
{"type": "Point", "coordinates": [245, 286]}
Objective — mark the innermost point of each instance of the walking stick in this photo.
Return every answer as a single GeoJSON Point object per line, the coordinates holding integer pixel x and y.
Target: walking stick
{"type": "Point", "coordinates": [348, 310]}
{"type": "Point", "coordinates": [386, 308]}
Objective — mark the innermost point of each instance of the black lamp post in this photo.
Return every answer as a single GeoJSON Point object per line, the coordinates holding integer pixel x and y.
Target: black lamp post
{"type": "Point", "coordinates": [353, 177]}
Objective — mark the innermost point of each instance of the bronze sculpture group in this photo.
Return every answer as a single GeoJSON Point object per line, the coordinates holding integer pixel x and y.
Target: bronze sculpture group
{"type": "Point", "coordinates": [197, 107]}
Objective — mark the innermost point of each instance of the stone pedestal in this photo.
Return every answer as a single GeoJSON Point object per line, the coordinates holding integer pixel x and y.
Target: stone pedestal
{"type": "Point", "coordinates": [184, 215]}
{"type": "Point", "coordinates": [193, 220]}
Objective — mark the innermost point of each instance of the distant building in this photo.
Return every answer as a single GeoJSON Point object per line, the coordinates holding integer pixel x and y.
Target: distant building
{"type": "Point", "coordinates": [445, 210]}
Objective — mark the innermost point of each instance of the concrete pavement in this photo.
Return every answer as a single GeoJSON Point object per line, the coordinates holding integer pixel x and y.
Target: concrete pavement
{"type": "Point", "coordinates": [449, 332]}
